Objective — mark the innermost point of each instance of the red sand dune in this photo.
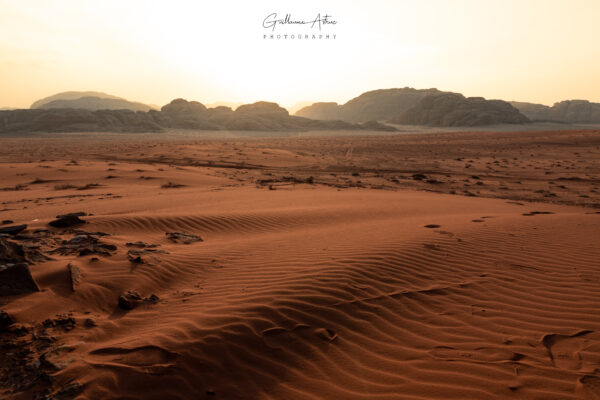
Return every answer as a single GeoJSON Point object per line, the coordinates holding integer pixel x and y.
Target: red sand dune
{"type": "Point", "coordinates": [330, 290]}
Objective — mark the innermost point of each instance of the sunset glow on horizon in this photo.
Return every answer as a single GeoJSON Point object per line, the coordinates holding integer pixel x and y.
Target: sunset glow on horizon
{"type": "Point", "coordinates": [155, 51]}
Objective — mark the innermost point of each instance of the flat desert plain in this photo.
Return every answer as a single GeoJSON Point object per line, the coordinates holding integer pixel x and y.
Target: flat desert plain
{"type": "Point", "coordinates": [426, 266]}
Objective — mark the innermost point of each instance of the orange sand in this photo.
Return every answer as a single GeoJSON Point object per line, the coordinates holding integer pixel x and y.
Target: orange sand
{"type": "Point", "coordinates": [330, 290]}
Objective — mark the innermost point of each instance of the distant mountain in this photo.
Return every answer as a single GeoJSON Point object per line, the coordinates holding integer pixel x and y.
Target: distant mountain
{"type": "Point", "coordinates": [71, 96]}
{"type": "Point", "coordinates": [96, 103]}
{"type": "Point", "coordinates": [535, 112]}
{"type": "Point", "coordinates": [377, 105]}
{"type": "Point", "coordinates": [89, 101]}
{"type": "Point", "coordinates": [417, 107]}
{"type": "Point", "coordinates": [298, 106]}
{"type": "Point", "coordinates": [322, 110]}
{"type": "Point", "coordinates": [232, 105]}
{"type": "Point", "coordinates": [179, 114]}
{"type": "Point", "coordinates": [259, 116]}
{"type": "Point", "coordinates": [76, 120]}
{"type": "Point", "coordinates": [453, 109]}
{"type": "Point", "coordinates": [7, 108]}
{"type": "Point", "coordinates": [570, 111]}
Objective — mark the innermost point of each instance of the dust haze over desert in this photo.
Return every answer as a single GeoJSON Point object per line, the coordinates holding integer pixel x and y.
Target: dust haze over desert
{"type": "Point", "coordinates": [315, 200]}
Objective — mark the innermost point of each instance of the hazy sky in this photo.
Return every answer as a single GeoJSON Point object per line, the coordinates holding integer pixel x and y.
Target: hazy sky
{"type": "Point", "coordinates": [153, 51]}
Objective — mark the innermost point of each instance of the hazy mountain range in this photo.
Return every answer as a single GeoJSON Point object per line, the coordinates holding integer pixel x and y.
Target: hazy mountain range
{"type": "Point", "coordinates": [97, 111]}
{"type": "Point", "coordinates": [179, 114]}
{"type": "Point", "coordinates": [570, 111]}
{"type": "Point", "coordinates": [89, 101]}
{"type": "Point", "coordinates": [437, 108]}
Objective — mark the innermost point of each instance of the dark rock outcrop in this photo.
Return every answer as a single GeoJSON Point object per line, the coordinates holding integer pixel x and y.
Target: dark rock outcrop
{"type": "Point", "coordinates": [185, 238]}
{"type": "Point", "coordinates": [75, 275]}
{"type": "Point", "coordinates": [13, 230]}
{"type": "Point", "coordinates": [453, 109]}
{"type": "Point", "coordinates": [14, 253]}
{"type": "Point", "coordinates": [130, 300]}
{"type": "Point", "coordinates": [16, 279]}
{"type": "Point", "coordinates": [85, 243]}
{"type": "Point", "coordinates": [5, 320]}
{"type": "Point", "coordinates": [67, 220]}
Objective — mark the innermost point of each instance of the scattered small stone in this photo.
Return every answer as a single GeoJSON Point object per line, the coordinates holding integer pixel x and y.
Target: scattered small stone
{"type": "Point", "coordinates": [431, 226]}
{"type": "Point", "coordinates": [185, 238]}
{"type": "Point", "coordinates": [130, 300]}
{"type": "Point", "coordinates": [89, 323]}
{"type": "Point", "coordinates": [141, 245]}
{"type": "Point", "coordinates": [134, 257]}
{"type": "Point", "coordinates": [532, 213]}
{"type": "Point", "coordinates": [171, 185]}
{"type": "Point", "coordinates": [65, 322]}
{"type": "Point", "coordinates": [419, 177]}
{"type": "Point", "coordinates": [7, 221]}
{"type": "Point", "coordinates": [13, 230]}
{"type": "Point", "coordinates": [153, 299]}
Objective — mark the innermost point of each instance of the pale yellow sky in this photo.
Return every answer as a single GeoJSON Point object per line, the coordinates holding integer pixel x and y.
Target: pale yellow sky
{"type": "Point", "coordinates": [153, 51]}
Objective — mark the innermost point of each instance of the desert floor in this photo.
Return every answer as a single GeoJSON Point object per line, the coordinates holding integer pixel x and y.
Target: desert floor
{"type": "Point", "coordinates": [425, 266]}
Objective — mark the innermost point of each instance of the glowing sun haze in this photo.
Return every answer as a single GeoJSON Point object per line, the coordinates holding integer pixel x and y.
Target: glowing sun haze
{"type": "Point", "coordinates": [150, 51]}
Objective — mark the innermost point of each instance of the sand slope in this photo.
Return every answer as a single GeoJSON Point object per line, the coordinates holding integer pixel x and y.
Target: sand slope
{"type": "Point", "coordinates": [310, 292]}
